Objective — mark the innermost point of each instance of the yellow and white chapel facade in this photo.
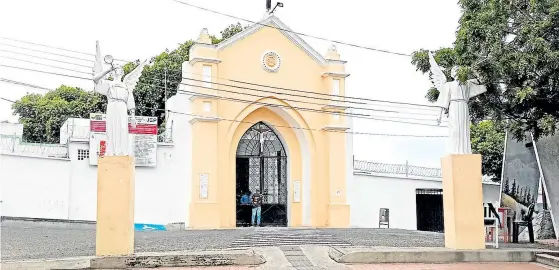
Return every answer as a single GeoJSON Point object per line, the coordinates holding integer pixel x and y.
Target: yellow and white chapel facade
{"type": "Point", "coordinates": [261, 111]}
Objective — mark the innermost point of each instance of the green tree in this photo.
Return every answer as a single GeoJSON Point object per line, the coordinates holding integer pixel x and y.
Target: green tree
{"type": "Point", "coordinates": [514, 47]}
{"type": "Point", "coordinates": [165, 72]}
{"type": "Point", "coordinates": [488, 138]}
{"type": "Point", "coordinates": [43, 115]}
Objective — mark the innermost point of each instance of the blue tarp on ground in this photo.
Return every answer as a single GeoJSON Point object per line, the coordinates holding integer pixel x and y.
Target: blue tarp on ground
{"type": "Point", "coordinates": [149, 227]}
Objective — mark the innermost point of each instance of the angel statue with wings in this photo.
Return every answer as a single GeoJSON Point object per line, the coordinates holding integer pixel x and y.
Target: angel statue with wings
{"type": "Point", "coordinates": [453, 98]}
{"type": "Point", "coordinates": [120, 101]}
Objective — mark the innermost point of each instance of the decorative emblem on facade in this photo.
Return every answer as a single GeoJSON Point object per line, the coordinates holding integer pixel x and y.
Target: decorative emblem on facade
{"type": "Point", "coordinates": [271, 61]}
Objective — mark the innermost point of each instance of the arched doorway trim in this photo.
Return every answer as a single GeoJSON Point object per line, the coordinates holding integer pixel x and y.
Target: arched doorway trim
{"type": "Point", "coordinates": [261, 165]}
{"type": "Point", "coordinates": [305, 140]}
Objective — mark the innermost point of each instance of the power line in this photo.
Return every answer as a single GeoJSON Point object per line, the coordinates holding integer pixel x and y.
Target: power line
{"type": "Point", "coordinates": [49, 59]}
{"type": "Point", "coordinates": [57, 48]}
{"type": "Point", "coordinates": [46, 72]}
{"type": "Point", "coordinates": [62, 55]}
{"type": "Point", "coordinates": [31, 62]}
{"type": "Point", "coordinates": [314, 129]}
{"type": "Point", "coordinates": [342, 99]}
{"type": "Point", "coordinates": [5, 99]}
{"type": "Point", "coordinates": [225, 119]}
{"type": "Point", "coordinates": [24, 84]}
{"type": "Point", "coordinates": [288, 30]}
{"type": "Point", "coordinates": [254, 102]}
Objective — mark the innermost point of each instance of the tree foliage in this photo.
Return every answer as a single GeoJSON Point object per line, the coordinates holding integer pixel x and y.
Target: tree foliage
{"type": "Point", "coordinates": [161, 78]}
{"type": "Point", "coordinates": [42, 116]}
{"type": "Point", "coordinates": [514, 47]}
{"type": "Point", "coordinates": [488, 139]}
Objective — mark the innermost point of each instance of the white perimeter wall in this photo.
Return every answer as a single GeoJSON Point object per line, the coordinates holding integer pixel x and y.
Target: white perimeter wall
{"type": "Point", "coordinates": [369, 193]}
{"type": "Point", "coordinates": [67, 189]}
{"type": "Point", "coordinates": [40, 187]}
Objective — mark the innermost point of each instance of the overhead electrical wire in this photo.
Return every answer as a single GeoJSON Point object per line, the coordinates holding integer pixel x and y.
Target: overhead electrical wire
{"type": "Point", "coordinates": [248, 122]}
{"type": "Point", "coordinates": [24, 84]}
{"type": "Point", "coordinates": [46, 65]}
{"type": "Point", "coordinates": [5, 99]}
{"type": "Point", "coordinates": [294, 32]}
{"type": "Point", "coordinates": [346, 99]}
{"type": "Point", "coordinates": [363, 116]}
{"type": "Point", "coordinates": [57, 48]}
{"type": "Point", "coordinates": [265, 104]}
{"type": "Point", "coordinates": [57, 54]}
{"type": "Point", "coordinates": [338, 99]}
{"type": "Point", "coordinates": [44, 58]}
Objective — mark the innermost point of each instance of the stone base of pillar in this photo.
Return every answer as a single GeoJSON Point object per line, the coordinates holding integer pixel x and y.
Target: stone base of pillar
{"type": "Point", "coordinates": [338, 215]}
{"type": "Point", "coordinates": [115, 206]}
{"type": "Point", "coordinates": [463, 202]}
{"type": "Point", "coordinates": [205, 215]}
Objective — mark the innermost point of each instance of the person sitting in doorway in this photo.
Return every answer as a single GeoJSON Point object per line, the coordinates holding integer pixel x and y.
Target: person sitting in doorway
{"type": "Point", "coordinates": [245, 198]}
{"type": "Point", "coordinates": [256, 207]}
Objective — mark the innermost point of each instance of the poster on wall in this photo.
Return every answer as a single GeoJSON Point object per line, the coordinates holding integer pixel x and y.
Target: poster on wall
{"type": "Point", "coordinates": [143, 139]}
{"type": "Point", "coordinates": [521, 175]}
{"type": "Point", "coordinates": [548, 150]}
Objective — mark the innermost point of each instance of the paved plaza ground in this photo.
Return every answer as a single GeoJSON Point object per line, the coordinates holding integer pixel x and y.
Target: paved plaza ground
{"type": "Point", "coordinates": [282, 247]}
{"type": "Point", "coordinates": [462, 266]}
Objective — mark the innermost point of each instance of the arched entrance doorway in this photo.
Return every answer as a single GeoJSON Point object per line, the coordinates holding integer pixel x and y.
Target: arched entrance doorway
{"type": "Point", "coordinates": [261, 164]}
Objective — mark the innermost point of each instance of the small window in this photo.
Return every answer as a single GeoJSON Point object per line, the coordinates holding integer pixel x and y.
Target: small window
{"type": "Point", "coordinates": [207, 106]}
{"type": "Point", "coordinates": [336, 89]}
{"type": "Point", "coordinates": [207, 74]}
{"type": "Point", "coordinates": [83, 154]}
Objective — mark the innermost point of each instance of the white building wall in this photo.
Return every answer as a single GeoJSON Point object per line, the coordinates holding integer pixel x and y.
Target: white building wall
{"type": "Point", "coordinates": [66, 188]}
{"type": "Point", "coordinates": [34, 187]}
{"type": "Point", "coordinates": [370, 192]}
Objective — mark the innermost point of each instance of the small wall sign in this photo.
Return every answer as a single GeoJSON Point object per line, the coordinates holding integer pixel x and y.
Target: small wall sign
{"type": "Point", "coordinates": [204, 179]}
{"type": "Point", "coordinates": [297, 191]}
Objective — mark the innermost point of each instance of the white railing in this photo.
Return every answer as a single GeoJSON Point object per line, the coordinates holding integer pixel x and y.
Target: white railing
{"type": "Point", "coordinates": [14, 145]}
{"type": "Point", "coordinates": [402, 169]}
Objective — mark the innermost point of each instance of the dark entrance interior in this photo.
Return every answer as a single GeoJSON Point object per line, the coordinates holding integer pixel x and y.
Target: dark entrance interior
{"type": "Point", "coordinates": [261, 164]}
{"type": "Point", "coordinates": [429, 208]}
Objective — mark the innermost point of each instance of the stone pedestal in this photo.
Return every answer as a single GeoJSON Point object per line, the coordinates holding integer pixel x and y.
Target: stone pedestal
{"type": "Point", "coordinates": [338, 216]}
{"type": "Point", "coordinates": [463, 202]}
{"type": "Point", "coordinates": [115, 206]}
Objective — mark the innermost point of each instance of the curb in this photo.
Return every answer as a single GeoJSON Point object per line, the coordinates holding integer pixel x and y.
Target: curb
{"type": "Point", "coordinates": [179, 259]}
{"type": "Point", "coordinates": [430, 255]}
{"type": "Point", "coordinates": [67, 263]}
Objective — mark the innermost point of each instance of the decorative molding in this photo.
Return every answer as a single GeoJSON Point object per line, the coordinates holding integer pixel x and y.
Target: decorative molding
{"type": "Point", "coordinates": [334, 107]}
{"type": "Point", "coordinates": [273, 21]}
{"type": "Point", "coordinates": [338, 62]}
{"type": "Point", "coordinates": [205, 45]}
{"type": "Point", "coordinates": [271, 58]}
{"type": "Point", "coordinates": [335, 74]}
{"type": "Point", "coordinates": [204, 119]}
{"type": "Point", "coordinates": [335, 128]}
{"type": "Point", "coordinates": [204, 96]}
{"type": "Point", "coordinates": [204, 60]}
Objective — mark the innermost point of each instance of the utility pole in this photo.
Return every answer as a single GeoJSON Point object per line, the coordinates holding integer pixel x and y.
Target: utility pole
{"type": "Point", "coordinates": [165, 98]}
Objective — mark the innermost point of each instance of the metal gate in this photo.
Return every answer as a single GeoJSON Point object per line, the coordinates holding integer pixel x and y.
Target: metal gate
{"type": "Point", "coordinates": [429, 209]}
{"type": "Point", "coordinates": [262, 165]}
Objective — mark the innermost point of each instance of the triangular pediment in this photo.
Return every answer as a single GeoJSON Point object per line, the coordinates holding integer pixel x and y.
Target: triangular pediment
{"type": "Point", "coordinates": [275, 22]}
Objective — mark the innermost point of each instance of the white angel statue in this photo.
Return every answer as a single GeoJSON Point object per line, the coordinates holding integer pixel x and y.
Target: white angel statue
{"type": "Point", "coordinates": [120, 101]}
{"type": "Point", "coordinates": [453, 98]}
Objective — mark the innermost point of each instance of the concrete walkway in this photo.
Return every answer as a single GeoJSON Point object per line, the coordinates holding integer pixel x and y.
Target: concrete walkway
{"type": "Point", "coordinates": [298, 257]}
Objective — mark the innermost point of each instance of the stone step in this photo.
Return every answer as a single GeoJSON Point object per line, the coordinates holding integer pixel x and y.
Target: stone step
{"type": "Point", "coordinates": [548, 260]}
